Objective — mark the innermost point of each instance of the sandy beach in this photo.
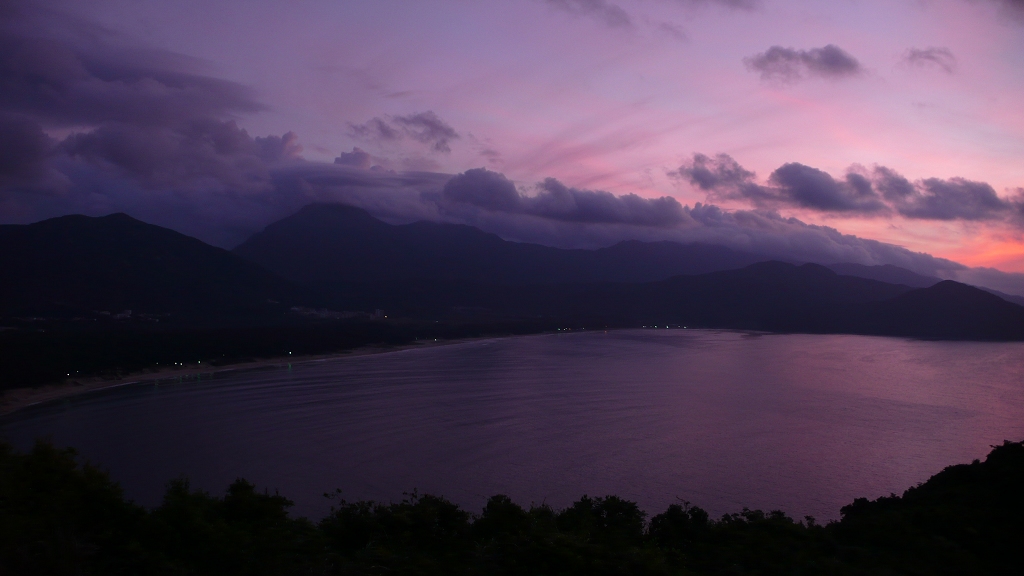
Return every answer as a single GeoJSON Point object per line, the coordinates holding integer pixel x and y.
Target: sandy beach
{"type": "Point", "coordinates": [20, 398]}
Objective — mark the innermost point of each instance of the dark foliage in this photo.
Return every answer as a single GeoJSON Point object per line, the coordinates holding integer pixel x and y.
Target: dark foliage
{"type": "Point", "coordinates": [58, 517]}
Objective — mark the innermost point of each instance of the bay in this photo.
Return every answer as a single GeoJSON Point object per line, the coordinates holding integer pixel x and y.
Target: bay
{"type": "Point", "coordinates": [724, 420]}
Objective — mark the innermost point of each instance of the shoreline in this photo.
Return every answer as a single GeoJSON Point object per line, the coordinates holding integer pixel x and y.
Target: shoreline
{"type": "Point", "coordinates": [17, 399]}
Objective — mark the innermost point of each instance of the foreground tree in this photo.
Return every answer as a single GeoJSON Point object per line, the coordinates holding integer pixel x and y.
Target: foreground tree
{"type": "Point", "coordinates": [60, 517]}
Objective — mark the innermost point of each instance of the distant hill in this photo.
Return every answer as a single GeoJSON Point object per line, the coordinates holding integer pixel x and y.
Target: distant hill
{"type": "Point", "coordinates": [1018, 300]}
{"type": "Point", "coordinates": [77, 264]}
{"type": "Point", "coordinates": [897, 275]}
{"type": "Point", "coordinates": [336, 246]}
{"type": "Point", "coordinates": [101, 267]}
{"type": "Point", "coordinates": [945, 310]}
{"type": "Point", "coordinates": [885, 273]}
{"type": "Point", "coordinates": [768, 296]}
{"type": "Point", "coordinates": [450, 271]}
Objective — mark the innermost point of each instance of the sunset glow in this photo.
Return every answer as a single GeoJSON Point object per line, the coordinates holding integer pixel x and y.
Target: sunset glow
{"type": "Point", "coordinates": [600, 95]}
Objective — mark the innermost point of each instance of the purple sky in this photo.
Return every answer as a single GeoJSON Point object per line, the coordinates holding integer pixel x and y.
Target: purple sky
{"type": "Point", "coordinates": [811, 128]}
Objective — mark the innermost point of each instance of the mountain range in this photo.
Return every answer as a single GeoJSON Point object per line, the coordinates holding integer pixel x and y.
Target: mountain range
{"type": "Point", "coordinates": [74, 265]}
{"type": "Point", "coordinates": [340, 258]}
{"type": "Point", "coordinates": [336, 246]}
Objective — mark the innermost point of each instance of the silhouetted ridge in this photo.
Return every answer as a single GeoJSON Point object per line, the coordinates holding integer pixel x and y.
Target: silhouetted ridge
{"type": "Point", "coordinates": [769, 296]}
{"type": "Point", "coordinates": [950, 310]}
{"type": "Point", "coordinates": [447, 272]}
{"type": "Point", "coordinates": [333, 246]}
{"type": "Point", "coordinates": [884, 273]}
{"type": "Point", "coordinates": [428, 271]}
{"type": "Point", "coordinates": [79, 264]}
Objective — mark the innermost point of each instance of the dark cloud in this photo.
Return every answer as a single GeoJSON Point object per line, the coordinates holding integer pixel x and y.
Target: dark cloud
{"type": "Point", "coordinates": [769, 233]}
{"type": "Point", "coordinates": [557, 201]}
{"type": "Point", "coordinates": [60, 83]}
{"type": "Point", "coordinates": [940, 58]}
{"type": "Point", "coordinates": [278, 148]}
{"type": "Point", "coordinates": [714, 173]}
{"type": "Point", "coordinates": [24, 150]}
{"type": "Point", "coordinates": [376, 129]}
{"type": "Point", "coordinates": [892, 186]}
{"type": "Point", "coordinates": [357, 158]}
{"type": "Point", "coordinates": [938, 199]}
{"type": "Point", "coordinates": [485, 189]}
{"type": "Point", "coordinates": [424, 127]}
{"type": "Point", "coordinates": [955, 199]}
{"type": "Point", "coordinates": [1017, 207]}
{"type": "Point", "coordinates": [203, 152]}
{"type": "Point", "coordinates": [791, 185]}
{"type": "Point", "coordinates": [141, 114]}
{"type": "Point", "coordinates": [811, 188]}
{"type": "Point", "coordinates": [608, 13]}
{"type": "Point", "coordinates": [941, 199]}
{"type": "Point", "coordinates": [142, 130]}
{"type": "Point", "coordinates": [427, 128]}
{"type": "Point", "coordinates": [882, 191]}
{"type": "Point", "coordinates": [780, 64]}
{"type": "Point", "coordinates": [553, 200]}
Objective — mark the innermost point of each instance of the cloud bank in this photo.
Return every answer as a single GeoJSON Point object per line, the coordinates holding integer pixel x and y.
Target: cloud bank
{"type": "Point", "coordinates": [878, 192]}
{"type": "Point", "coordinates": [553, 200]}
{"type": "Point", "coordinates": [779, 64]}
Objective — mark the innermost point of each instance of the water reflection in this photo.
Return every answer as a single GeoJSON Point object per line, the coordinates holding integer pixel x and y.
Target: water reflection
{"type": "Point", "coordinates": [722, 419]}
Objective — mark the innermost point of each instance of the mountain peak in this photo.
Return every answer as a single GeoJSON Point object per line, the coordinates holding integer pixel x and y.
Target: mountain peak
{"type": "Point", "coordinates": [336, 245]}
{"type": "Point", "coordinates": [77, 264]}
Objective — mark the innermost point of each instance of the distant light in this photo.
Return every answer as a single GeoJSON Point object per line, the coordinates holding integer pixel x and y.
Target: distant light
{"type": "Point", "coordinates": [289, 353]}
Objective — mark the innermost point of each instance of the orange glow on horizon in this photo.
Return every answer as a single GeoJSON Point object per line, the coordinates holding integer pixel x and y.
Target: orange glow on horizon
{"type": "Point", "coordinates": [1005, 255]}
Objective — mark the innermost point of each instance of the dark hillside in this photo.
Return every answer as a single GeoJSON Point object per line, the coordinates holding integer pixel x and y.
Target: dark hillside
{"type": "Point", "coordinates": [766, 296]}
{"type": "Point", "coordinates": [333, 246]}
{"type": "Point", "coordinates": [769, 296]}
{"type": "Point", "coordinates": [947, 310]}
{"type": "Point", "coordinates": [75, 265]}
{"type": "Point", "coordinates": [885, 273]}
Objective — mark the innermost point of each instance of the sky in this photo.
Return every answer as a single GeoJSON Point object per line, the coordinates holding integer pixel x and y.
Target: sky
{"type": "Point", "coordinates": [880, 132]}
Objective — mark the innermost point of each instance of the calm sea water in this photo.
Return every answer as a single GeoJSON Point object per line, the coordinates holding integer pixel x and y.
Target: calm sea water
{"type": "Point", "coordinates": [721, 419]}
